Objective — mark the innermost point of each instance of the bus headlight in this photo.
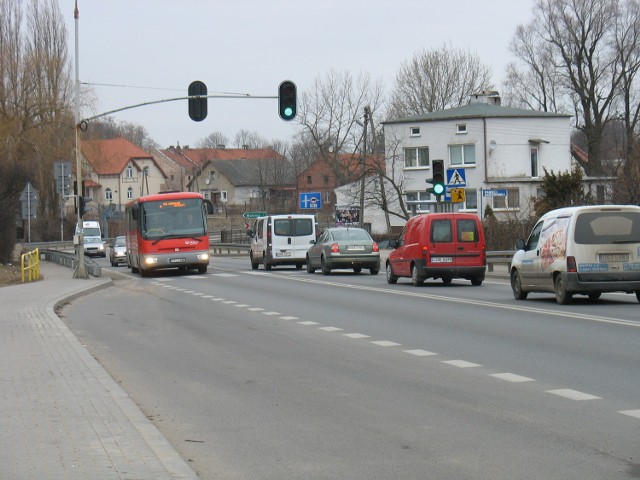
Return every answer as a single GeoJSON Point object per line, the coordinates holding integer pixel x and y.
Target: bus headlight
{"type": "Point", "coordinates": [150, 260]}
{"type": "Point", "coordinates": [203, 256]}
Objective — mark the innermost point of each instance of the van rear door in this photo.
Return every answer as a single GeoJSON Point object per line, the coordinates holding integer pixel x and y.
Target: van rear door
{"type": "Point", "coordinates": [469, 248]}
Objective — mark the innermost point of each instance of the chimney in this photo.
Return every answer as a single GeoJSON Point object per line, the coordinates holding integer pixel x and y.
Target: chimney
{"type": "Point", "coordinates": [488, 97]}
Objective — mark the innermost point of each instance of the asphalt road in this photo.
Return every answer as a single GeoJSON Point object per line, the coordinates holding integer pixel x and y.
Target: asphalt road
{"type": "Point", "coordinates": [286, 375]}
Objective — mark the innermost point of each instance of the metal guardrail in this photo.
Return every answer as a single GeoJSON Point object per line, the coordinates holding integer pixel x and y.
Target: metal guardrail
{"type": "Point", "coordinates": [70, 260]}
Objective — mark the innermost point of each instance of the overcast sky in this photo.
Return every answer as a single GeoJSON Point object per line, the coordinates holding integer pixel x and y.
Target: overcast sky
{"type": "Point", "coordinates": [148, 50]}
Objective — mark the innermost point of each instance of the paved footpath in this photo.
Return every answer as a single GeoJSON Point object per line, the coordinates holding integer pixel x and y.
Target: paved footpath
{"type": "Point", "coordinates": [61, 415]}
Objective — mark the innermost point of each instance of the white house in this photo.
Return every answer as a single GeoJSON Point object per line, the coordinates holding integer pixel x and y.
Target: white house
{"type": "Point", "coordinates": [487, 149]}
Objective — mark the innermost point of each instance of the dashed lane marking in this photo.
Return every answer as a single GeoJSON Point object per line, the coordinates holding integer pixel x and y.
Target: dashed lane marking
{"type": "Point", "coordinates": [512, 377]}
{"type": "Point", "coordinates": [356, 335]}
{"type": "Point", "coordinates": [420, 353]}
{"type": "Point", "coordinates": [386, 343]}
{"type": "Point", "coordinates": [330, 329]}
{"type": "Point", "coordinates": [573, 394]}
{"type": "Point", "coordinates": [461, 363]}
{"type": "Point", "coordinates": [308, 323]}
{"type": "Point", "coordinates": [631, 413]}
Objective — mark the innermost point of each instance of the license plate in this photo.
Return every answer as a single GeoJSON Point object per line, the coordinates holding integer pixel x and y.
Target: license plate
{"type": "Point", "coordinates": [441, 259]}
{"type": "Point", "coordinates": [614, 257]}
{"type": "Point", "coordinates": [177, 260]}
{"type": "Point", "coordinates": [357, 248]}
{"type": "Point", "coordinates": [283, 254]}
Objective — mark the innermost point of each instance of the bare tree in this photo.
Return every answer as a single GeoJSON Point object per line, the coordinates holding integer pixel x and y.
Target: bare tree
{"type": "Point", "coordinates": [213, 140]}
{"type": "Point", "coordinates": [246, 139]}
{"type": "Point", "coordinates": [437, 79]}
{"type": "Point", "coordinates": [593, 48]}
{"type": "Point", "coordinates": [108, 127]}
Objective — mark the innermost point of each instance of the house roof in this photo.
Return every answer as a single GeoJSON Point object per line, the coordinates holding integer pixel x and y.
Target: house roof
{"type": "Point", "coordinates": [476, 110]}
{"type": "Point", "coordinates": [247, 172]}
{"type": "Point", "coordinates": [188, 158]}
{"type": "Point", "coordinates": [111, 157]}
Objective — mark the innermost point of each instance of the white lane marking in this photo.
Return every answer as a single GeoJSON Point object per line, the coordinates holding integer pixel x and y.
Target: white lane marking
{"type": "Point", "coordinates": [241, 305]}
{"type": "Point", "coordinates": [356, 335]}
{"type": "Point", "coordinates": [255, 309]}
{"type": "Point", "coordinates": [474, 302]}
{"type": "Point", "coordinates": [308, 323]}
{"type": "Point", "coordinates": [222, 275]}
{"type": "Point", "coordinates": [208, 296]}
{"type": "Point", "coordinates": [271, 313]}
{"type": "Point", "coordinates": [195, 277]}
{"type": "Point", "coordinates": [461, 363]}
{"type": "Point", "coordinates": [420, 353]}
{"type": "Point", "coordinates": [187, 291]}
{"type": "Point", "coordinates": [164, 280]}
{"type": "Point", "coordinates": [512, 377]}
{"type": "Point", "coordinates": [631, 413]}
{"type": "Point", "coordinates": [218, 299]}
{"type": "Point", "coordinates": [197, 294]}
{"type": "Point", "coordinates": [330, 329]}
{"type": "Point", "coordinates": [229, 302]}
{"type": "Point", "coordinates": [289, 317]}
{"type": "Point", "coordinates": [386, 343]}
{"type": "Point", "coordinates": [573, 394]}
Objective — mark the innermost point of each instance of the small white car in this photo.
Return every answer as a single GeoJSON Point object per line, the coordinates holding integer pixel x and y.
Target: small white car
{"type": "Point", "coordinates": [585, 250]}
{"type": "Point", "coordinates": [118, 251]}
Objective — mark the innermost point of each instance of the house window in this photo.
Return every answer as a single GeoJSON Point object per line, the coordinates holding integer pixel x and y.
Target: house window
{"type": "Point", "coordinates": [415, 131]}
{"type": "Point", "coordinates": [130, 193]}
{"type": "Point", "coordinates": [108, 194]}
{"type": "Point", "coordinates": [534, 161]}
{"type": "Point", "coordinates": [417, 201]}
{"type": "Point", "coordinates": [128, 172]}
{"type": "Point", "coordinates": [223, 196]}
{"type": "Point", "coordinates": [471, 199]}
{"type": "Point", "coordinates": [308, 179]}
{"type": "Point", "coordinates": [511, 201]}
{"type": "Point", "coordinates": [416, 157]}
{"type": "Point", "coordinates": [326, 179]}
{"type": "Point", "coordinates": [462, 154]}
{"type": "Point", "coordinates": [461, 128]}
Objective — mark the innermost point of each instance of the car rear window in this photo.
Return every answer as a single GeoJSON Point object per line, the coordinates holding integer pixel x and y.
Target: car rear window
{"type": "Point", "coordinates": [594, 228]}
{"type": "Point", "coordinates": [293, 227]}
{"type": "Point", "coordinates": [467, 230]}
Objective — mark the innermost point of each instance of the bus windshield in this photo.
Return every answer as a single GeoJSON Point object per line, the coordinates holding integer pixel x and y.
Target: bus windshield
{"type": "Point", "coordinates": [173, 218]}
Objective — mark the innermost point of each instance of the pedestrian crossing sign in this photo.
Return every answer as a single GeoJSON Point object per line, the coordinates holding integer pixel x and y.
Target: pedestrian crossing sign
{"type": "Point", "coordinates": [456, 177]}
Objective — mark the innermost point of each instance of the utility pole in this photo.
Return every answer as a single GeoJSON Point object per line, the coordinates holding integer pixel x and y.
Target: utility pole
{"type": "Point", "coordinates": [363, 165]}
{"type": "Point", "coordinates": [81, 271]}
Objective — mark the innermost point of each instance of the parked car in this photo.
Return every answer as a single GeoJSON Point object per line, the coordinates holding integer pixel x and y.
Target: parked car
{"type": "Point", "coordinates": [439, 245]}
{"type": "Point", "coordinates": [585, 250]}
{"type": "Point", "coordinates": [344, 247]}
{"type": "Point", "coordinates": [118, 251]}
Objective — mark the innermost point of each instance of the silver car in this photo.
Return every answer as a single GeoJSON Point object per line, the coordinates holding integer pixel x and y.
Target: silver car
{"type": "Point", "coordinates": [344, 247]}
{"type": "Point", "coordinates": [118, 251]}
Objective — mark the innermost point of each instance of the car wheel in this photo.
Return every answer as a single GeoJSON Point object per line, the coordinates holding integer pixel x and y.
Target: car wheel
{"type": "Point", "coordinates": [391, 278]}
{"type": "Point", "coordinates": [638, 295]}
{"type": "Point", "coordinates": [374, 271]}
{"type": "Point", "coordinates": [254, 263]}
{"type": "Point", "coordinates": [267, 265]}
{"type": "Point", "coordinates": [310, 269]}
{"type": "Point", "coordinates": [415, 279]}
{"type": "Point", "coordinates": [298, 266]}
{"type": "Point", "coordinates": [476, 282]}
{"type": "Point", "coordinates": [202, 268]}
{"type": "Point", "coordinates": [325, 268]}
{"type": "Point", "coordinates": [594, 295]}
{"type": "Point", "coordinates": [562, 296]}
{"type": "Point", "coordinates": [516, 286]}
{"type": "Point", "coordinates": [357, 269]}
{"type": "Point", "coordinates": [447, 280]}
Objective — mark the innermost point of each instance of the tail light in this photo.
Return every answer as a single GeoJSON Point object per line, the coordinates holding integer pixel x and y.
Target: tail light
{"type": "Point", "coordinates": [483, 256]}
{"type": "Point", "coordinates": [375, 247]}
{"type": "Point", "coordinates": [571, 264]}
{"type": "Point", "coordinates": [425, 251]}
{"type": "Point", "coordinates": [335, 248]}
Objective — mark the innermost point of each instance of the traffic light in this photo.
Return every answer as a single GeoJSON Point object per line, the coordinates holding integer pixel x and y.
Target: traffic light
{"type": "Point", "coordinates": [79, 199]}
{"type": "Point", "coordinates": [197, 104]}
{"type": "Point", "coordinates": [438, 180]}
{"type": "Point", "coordinates": [287, 102]}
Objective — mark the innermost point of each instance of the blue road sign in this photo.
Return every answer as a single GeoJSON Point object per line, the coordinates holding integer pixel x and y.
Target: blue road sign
{"type": "Point", "coordinates": [310, 200]}
{"type": "Point", "coordinates": [456, 177]}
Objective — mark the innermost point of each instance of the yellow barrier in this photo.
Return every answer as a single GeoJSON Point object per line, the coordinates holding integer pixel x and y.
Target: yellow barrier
{"type": "Point", "coordinates": [30, 263]}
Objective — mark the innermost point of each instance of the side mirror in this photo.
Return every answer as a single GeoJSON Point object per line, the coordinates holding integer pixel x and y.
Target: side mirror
{"type": "Point", "coordinates": [393, 243]}
{"type": "Point", "coordinates": [520, 244]}
{"type": "Point", "coordinates": [312, 242]}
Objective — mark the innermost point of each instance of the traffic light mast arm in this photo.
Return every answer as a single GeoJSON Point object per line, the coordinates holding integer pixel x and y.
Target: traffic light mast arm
{"type": "Point", "coordinates": [154, 102]}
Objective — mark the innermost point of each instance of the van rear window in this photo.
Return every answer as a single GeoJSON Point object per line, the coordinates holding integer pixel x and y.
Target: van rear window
{"type": "Point", "coordinates": [594, 228]}
{"type": "Point", "coordinates": [467, 231]}
{"type": "Point", "coordinates": [441, 231]}
{"type": "Point", "coordinates": [293, 227]}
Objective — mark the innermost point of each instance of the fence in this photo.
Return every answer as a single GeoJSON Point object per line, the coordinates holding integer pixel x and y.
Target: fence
{"type": "Point", "coordinates": [30, 265]}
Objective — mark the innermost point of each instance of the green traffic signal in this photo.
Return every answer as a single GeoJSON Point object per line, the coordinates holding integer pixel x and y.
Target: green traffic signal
{"type": "Point", "coordinates": [438, 180]}
{"type": "Point", "coordinates": [287, 100]}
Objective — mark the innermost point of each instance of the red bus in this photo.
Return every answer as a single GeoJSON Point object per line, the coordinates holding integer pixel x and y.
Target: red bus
{"type": "Point", "coordinates": [167, 230]}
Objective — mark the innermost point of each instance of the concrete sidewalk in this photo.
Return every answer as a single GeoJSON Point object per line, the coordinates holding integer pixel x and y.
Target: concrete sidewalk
{"type": "Point", "coordinates": [61, 415]}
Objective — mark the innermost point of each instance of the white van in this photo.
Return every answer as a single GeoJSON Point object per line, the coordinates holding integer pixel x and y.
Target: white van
{"type": "Point", "coordinates": [93, 244]}
{"type": "Point", "coordinates": [281, 240]}
{"type": "Point", "coordinates": [585, 250]}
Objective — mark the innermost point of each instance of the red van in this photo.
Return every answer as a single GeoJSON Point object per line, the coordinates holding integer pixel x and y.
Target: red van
{"type": "Point", "coordinates": [439, 245]}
